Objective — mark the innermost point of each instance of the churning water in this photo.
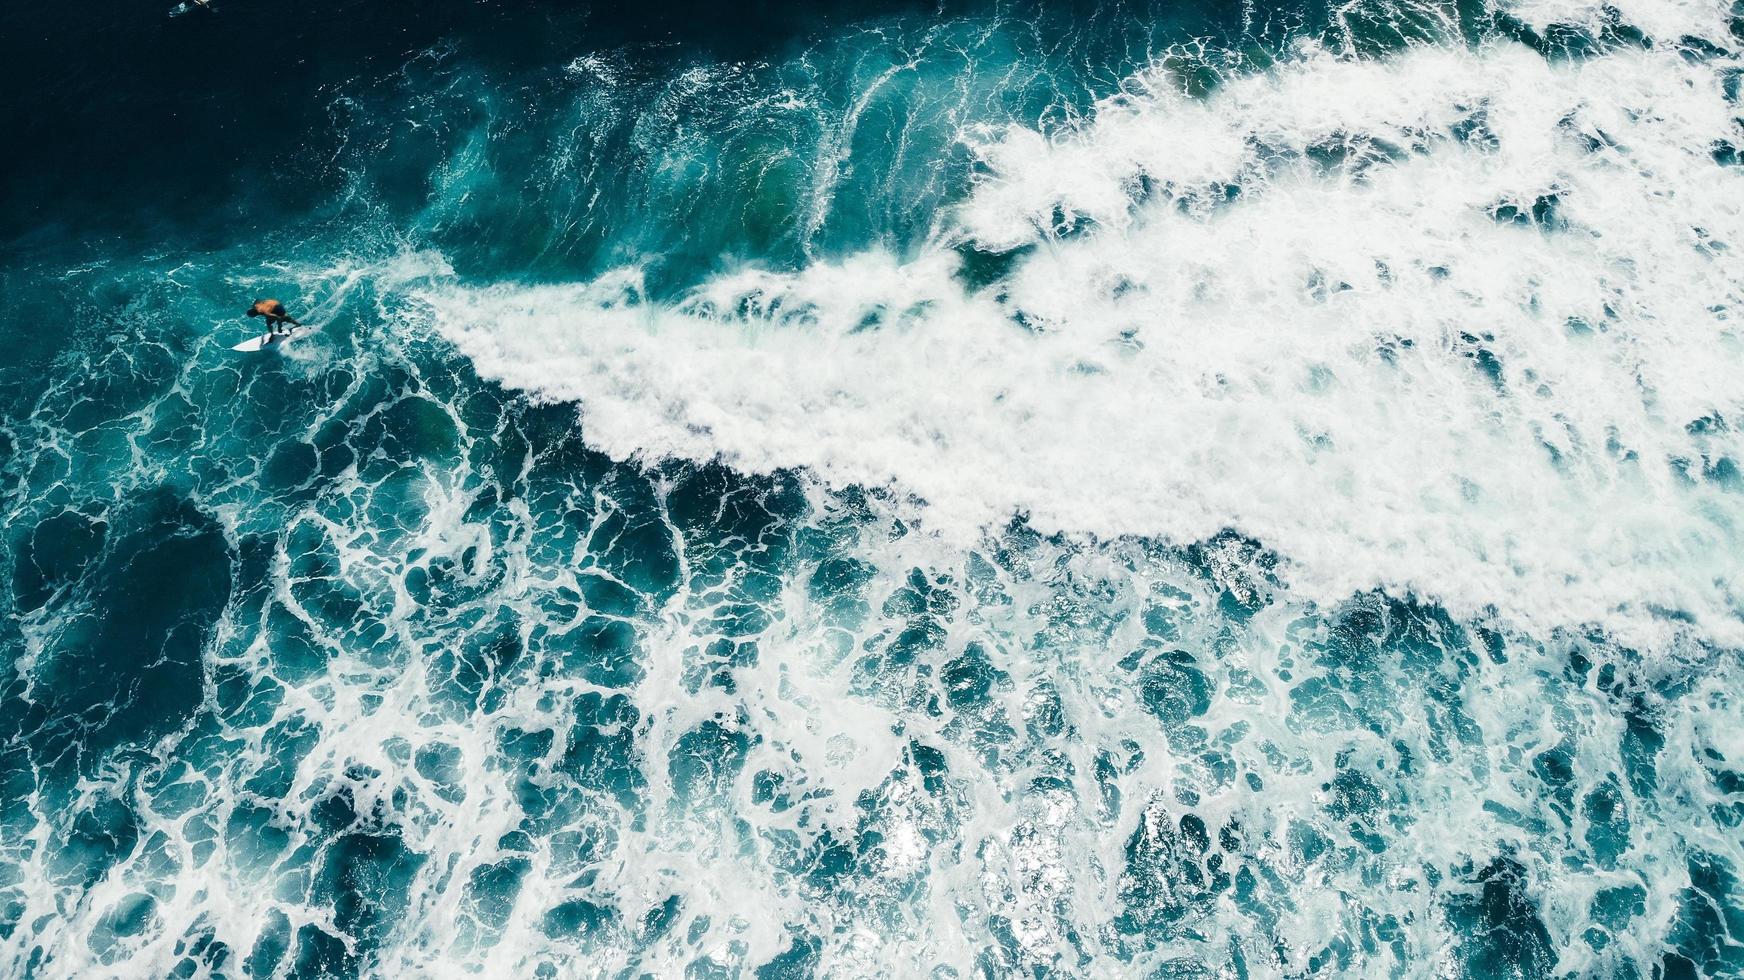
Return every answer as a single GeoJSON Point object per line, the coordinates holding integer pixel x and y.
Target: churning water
{"type": "Point", "coordinates": [1235, 490]}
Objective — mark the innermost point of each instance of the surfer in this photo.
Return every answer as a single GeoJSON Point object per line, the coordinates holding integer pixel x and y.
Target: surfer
{"type": "Point", "coordinates": [276, 317]}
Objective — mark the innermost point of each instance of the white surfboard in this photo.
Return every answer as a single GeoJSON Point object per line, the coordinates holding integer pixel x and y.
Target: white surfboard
{"type": "Point", "coordinates": [265, 341]}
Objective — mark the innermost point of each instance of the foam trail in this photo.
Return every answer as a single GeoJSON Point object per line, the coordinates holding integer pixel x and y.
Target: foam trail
{"type": "Point", "coordinates": [345, 661]}
{"type": "Point", "coordinates": [1458, 323]}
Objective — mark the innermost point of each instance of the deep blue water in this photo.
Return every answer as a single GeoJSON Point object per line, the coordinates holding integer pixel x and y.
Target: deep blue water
{"type": "Point", "coordinates": [855, 489]}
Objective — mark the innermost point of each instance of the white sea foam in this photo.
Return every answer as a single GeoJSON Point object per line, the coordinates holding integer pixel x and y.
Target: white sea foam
{"type": "Point", "coordinates": [1355, 360]}
{"type": "Point", "coordinates": [1665, 21]}
{"type": "Point", "coordinates": [1189, 362]}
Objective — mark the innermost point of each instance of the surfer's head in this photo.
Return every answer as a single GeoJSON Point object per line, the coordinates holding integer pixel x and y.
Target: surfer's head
{"type": "Point", "coordinates": [252, 311]}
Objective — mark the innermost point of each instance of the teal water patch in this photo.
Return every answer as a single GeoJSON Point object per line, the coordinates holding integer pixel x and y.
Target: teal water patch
{"type": "Point", "coordinates": [429, 645]}
{"type": "Point", "coordinates": [342, 660]}
{"type": "Point", "coordinates": [119, 654]}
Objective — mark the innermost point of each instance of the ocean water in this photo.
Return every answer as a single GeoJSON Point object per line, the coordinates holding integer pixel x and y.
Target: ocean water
{"type": "Point", "coordinates": [850, 489]}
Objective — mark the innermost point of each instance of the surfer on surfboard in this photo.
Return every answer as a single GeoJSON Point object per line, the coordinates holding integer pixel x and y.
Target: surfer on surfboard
{"type": "Point", "coordinates": [276, 318]}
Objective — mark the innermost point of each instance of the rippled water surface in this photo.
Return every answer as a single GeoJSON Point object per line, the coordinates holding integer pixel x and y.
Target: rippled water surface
{"type": "Point", "coordinates": [1102, 489]}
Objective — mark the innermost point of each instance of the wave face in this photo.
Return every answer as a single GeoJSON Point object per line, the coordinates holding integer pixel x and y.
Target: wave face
{"type": "Point", "coordinates": [976, 491]}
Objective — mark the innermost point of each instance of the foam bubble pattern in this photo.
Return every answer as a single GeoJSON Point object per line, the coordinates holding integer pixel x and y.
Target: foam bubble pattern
{"type": "Point", "coordinates": [1274, 527]}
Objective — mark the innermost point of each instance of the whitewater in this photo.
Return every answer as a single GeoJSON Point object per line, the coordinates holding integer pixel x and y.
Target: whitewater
{"type": "Point", "coordinates": [1390, 318]}
{"type": "Point", "coordinates": [992, 494]}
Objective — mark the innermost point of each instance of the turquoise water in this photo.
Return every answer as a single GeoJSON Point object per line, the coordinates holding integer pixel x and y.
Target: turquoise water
{"type": "Point", "coordinates": [875, 491]}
